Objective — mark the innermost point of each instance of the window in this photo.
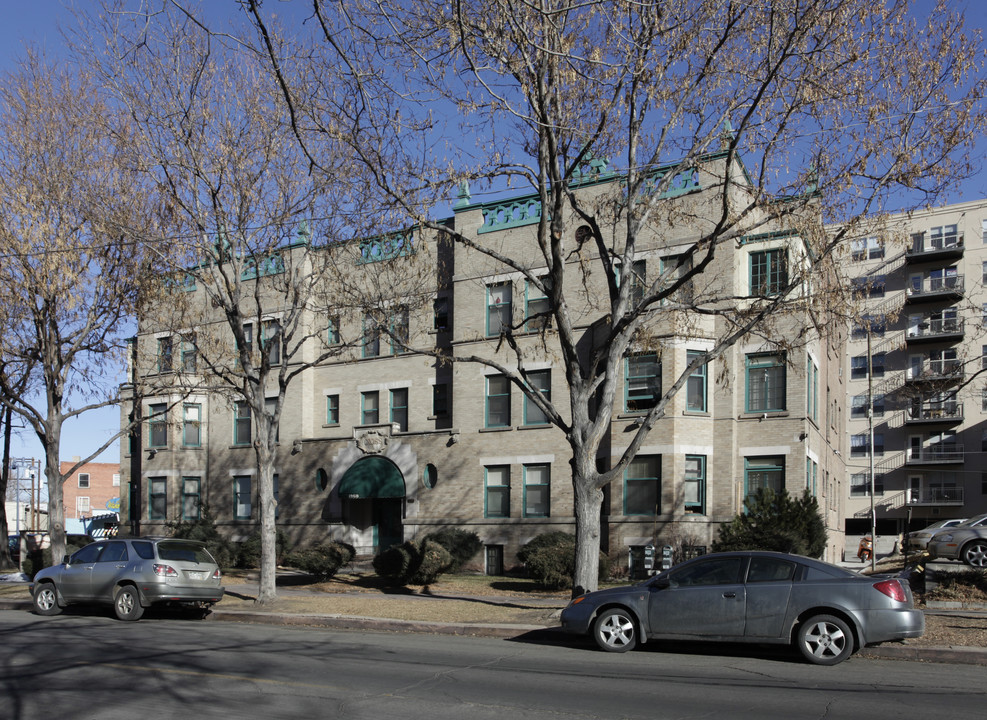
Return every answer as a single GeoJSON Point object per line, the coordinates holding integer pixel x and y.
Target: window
{"type": "Point", "coordinates": [370, 407]}
{"type": "Point", "coordinates": [674, 268]}
{"type": "Point", "coordinates": [769, 272]}
{"type": "Point", "coordinates": [695, 484]}
{"type": "Point", "coordinates": [399, 327]}
{"type": "Point", "coordinates": [241, 498]}
{"type": "Point", "coordinates": [165, 352]}
{"type": "Point", "coordinates": [81, 505]}
{"type": "Point", "coordinates": [270, 340]}
{"type": "Point", "coordinates": [157, 506]}
{"type": "Point", "coordinates": [497, 479]}
{"type": "Point", "coordinates": [638, 275]}
{"type": "Point", "coordinates": [944, 236]}
{"type": "Point", "coordinates": [498, 308]}
{"type": "Point", "coordinates": [877, 364]}
{"type": "Point", "coordinates": [537, 303]}
{"type": "Point", "coordinates": [642, 382]}
{"type": "Point", "coordinates": [540, 380]}
{"type": "Point", "coordinates": [440, 311]}
{"type": "Point", "coordinates": [695, 390]}
{"type": "Point", "coordinates": [332, 330]}
{"type": "Point", "coordinates": [191, 505]}
{"type": "Point", "coordinates": [859, 444]}
{"type": "Point", "coordinates": [858, 366]}
{"type": "Point", "coordinates": [190, 356]}
{"type": "Point", "coordinates": [270, 406]}
{"type": "Point", "coordinates": [876, 324]}
{"type": "Point", "coordinates": [765, 383]}
{"type": "Point", "coordinates": [498, 401]}
{"type": "Point", "coordinates": [870, 248]}
{"type": "Point", "coordinates": [248, 339]}
{"type": "Point", "coordinates": [83, 480]}
{"type": "Point", "coordinates": [430, 476]}
{"type": "Point", "coordinates": [332, 410]}
{"type": "Point", "coordinates": [537, 483]}
{"type": "Point", "coordinates": [399, 408]}
{"type": "Point", "coordinates": [769, 569]}
{"type": "Point", "coordinates": [858, 406]}
{"type": "Point", "coordinates": [870, 286]}
{"type": "Point", "coordinates": [158, 426]}
{"type": "Point", "coordinates": [812, 390]}
{"type": "Point", "coordinates": [371, 338]}
{"type": "Point", "coordinates": [242, 425]}
{"type": "Point", "coordinates": [860, 484]}
{"type": "Point", "coordinates": [983, 400]}
{"type": "Point", "coordinates": [763, 472]}
{"type": "Point", "coordinates": [440, 400]}
{"type": "Point", "coordinates": [642, 486]}
{"type": "Point", "coordinates": [983, 230]}
{"type": "Point", "coordinates": [116, 479]}
{"type": "Point", "coordinates": [192, 425]}
{"type": "Point", "coordinates": [983, 357]}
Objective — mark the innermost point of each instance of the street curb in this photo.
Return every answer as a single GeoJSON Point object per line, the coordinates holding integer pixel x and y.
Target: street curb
{"type": "Point", "coordinates": [955, 655]}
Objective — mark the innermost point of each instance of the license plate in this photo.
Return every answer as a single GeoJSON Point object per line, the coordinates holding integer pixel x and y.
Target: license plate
{"type": "Point", "coordinates": [194, 575]}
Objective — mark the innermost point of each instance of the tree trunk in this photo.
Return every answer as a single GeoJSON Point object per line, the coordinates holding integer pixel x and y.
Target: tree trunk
{"type": "Point", "coordinates": [53, 475]}
{"type": "Point", "coordinates": [589, 500]}
{"type": "Point", "coordinates": [268, 530]}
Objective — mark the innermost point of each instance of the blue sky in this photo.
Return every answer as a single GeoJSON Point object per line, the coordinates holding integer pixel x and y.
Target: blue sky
{"type": "Point", "coordinates": [36, 22]}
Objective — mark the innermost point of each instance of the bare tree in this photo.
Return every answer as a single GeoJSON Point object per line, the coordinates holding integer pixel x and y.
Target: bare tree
{"type": "Point", "coordinates": [71, 264]}
{"type": "Point", "coordinates": [795, 115]}
{"type": "Point", "coordinates": [259, 250]}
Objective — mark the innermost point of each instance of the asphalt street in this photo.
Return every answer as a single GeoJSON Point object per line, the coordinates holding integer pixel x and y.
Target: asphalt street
{"type": "Point", "coordinates": [92, 666]}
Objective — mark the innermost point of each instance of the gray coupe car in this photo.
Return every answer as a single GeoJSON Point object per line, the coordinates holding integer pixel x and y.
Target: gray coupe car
{"type": "Point", "coordinates": [966, 541]}
{"type": "Point", "coordinates": [760, 597]}
{"type": "Point", "coordinates": [131, 575]}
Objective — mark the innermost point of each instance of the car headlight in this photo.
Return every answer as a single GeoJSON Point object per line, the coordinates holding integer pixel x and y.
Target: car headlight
{"type": "Point", "coordinates": [943, 538]}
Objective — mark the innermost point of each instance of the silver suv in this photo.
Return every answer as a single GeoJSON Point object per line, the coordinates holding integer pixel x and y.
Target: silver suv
{"type": "Point", "coordinates": [966, 541]}
{"type": "Point", "coordinates": [131, 574]}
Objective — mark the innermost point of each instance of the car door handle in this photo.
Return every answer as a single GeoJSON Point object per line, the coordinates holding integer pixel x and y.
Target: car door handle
{"type": "Point", "coordinates": [729, 595]}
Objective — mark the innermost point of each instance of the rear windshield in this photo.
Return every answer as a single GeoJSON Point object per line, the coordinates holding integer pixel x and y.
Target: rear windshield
{"type": "Point", "coordinates": [183, 552]}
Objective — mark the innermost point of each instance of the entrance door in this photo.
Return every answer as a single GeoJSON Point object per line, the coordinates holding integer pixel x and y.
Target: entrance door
{"type": "Point", "coordinates": [388, 528]}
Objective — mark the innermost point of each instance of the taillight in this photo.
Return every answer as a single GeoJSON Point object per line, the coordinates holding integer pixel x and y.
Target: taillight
{"type": "Point", "coordinates": [165, 571]}
{"type": "Point", "coordinates": [217, 575]}
{"type": "Point", "coordinates": [891, 588]}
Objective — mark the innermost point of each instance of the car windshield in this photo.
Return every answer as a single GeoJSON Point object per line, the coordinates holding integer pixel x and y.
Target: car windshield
{"type": "Point", "coordinates": [179, 551]}
{"type": "Point", "coordinates": [973, 522]}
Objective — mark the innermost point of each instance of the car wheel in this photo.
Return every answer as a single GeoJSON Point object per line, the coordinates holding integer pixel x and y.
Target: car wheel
{"type": "Point", "coordinates": [825, 640]}
{"type": "Point", "coordinates": [127, 603]}
{"type": "Point", "coordinates": [975, 554]}
{"type": "Point", "coordinates": [614, 630]}
{"type": "Point", "coordinates": [46, 599]}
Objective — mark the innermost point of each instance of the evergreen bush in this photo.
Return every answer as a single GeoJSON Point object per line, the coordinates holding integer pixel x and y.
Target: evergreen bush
{"type": "Point", "coordinates": [776, 521]}
{"type": "Point", "coordinates": [550, 560]}
{"type": "Point", "coordinates": [205, 531]}
{"type": "Point", "coordinates": [248, 554]}
{"type": "Point", "coordinates": [412, 563]}
{"type": "Point", "coordinates": [321, 561]}
{"type": "Point", "coordinates": [461, 544]}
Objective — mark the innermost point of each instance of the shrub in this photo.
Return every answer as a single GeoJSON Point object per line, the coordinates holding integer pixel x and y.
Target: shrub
{"type": "Point", "coordinates": [322, 561]}
{"type": "Point", "coordinates": [462, 545]}
{"type": "Point", "coordinates": [775, 521]}
{"type": "Point", "coordinates": [204, 530]}
{"type": "Point", "coordinates": [412, 563]}
{"type": "Point", "coordinates": [248, 554]}
{"type": "Point", "coordinates": [550, 560]}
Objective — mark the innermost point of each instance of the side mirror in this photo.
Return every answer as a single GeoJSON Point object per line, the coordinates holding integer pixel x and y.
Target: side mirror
{"type": "Point", "coordinates": [65, 560]}
{"type": "Point", "coordinates": [661, 583]}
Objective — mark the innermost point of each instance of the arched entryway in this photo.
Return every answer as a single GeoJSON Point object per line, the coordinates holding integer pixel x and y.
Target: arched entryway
{"type": "Point", "coordinates": [378, 482]}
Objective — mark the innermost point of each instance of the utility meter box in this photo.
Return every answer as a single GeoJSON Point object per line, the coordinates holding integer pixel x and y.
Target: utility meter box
{"type": "Point", "coordinates": [666, 557]}
{"type": "Point", "coordinates": [649, 559]}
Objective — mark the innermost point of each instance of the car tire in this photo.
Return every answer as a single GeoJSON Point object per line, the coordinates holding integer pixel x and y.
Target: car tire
{"type": "Point", "coordinates": [127, 603]}
{"type": "Point", "coordinates": [46, 599]}
{"type": "Point", "coordinates": [975, 554]}
{"type": "Point", "coordinates": [614, 630]}
{"type": "Point", "coordinates": [825, 640]}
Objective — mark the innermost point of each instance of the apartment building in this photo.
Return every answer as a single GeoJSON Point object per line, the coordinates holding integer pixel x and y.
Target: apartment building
{"type": "Point", "coordinates": [91, 491]}
{"type": "Point", "coordinates": [919, 352]}
{"type": "Point", "coordinates": [379, 445]}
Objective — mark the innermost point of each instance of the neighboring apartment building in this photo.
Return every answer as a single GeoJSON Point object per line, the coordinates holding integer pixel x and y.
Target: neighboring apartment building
{"type": "Point", "coordinates": [91, 491]}
{"type": "Point", "coordinates": [922, 279]}
{"type": "Point", "coordinates": [379, 446]}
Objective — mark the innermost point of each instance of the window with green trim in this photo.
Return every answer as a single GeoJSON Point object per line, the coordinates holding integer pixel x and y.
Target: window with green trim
{"type": "Point", "coordinates": [371, 337]}
{"type": "Point", "coordinates": [191, 499]}
{"type": "Point", "coordinates": [332, 330]}
{"type": "Point", "coordinates": [537, 490]}
{"type": "Point", "coordinates": [190, 355]}
{"type": "Point", "coordinates": [695, 484]}
{"type": "Point", "coordinates": [765, 382]}
{"type": "Point", "coordinates": [498, 308]}
{"type": "Point", "coordinates": [695, 389]}
{"type": "Point", "coordinates": [440, 313]}
{"type": "Point", "coordinates": [763, 472]}
{"type": "Point", "coordinates": [440, 400]}
{"type": "Point", "coordinates": [157, 500]}
{"type": "Point", "coordinates": [332, 409]}
{"type": "Point", "coordinates": [537, 305]}
{"type": "Point", "coordinates": [399, 330]}
{"type": "Point", "coordinates": [642, 382]}
{"type": "Point", "coordinates": [399, 408]}
{"type": "Point", "coordinates": [270, 406]}
{"type": "Point", "coordinates": [498, 401]}
{"type": "Point", "coordinates": [642, 486]}
{"type": "Point", "coordinates": [270, 340]}
{"type": "Point", "coordinates": [242, 424]}
{"type": "Point", "coordinates": [497, 491]}
{"type": "Point", "coordinates": [242, 507]}
{"type": "Point", "coordinates": [812, 390]}
{"type": "Point", "coordinates": [769, 272]}
{"type": "Point", "coordinates": [165, 354]}
{"type": "Point", "coordinates": [540, 380]}
{"type": "Point", "coordinates": [192, 425]}
{"type": "Point", "coordinates": [370, 407]}
{"type": "Point", "coordinates": [157, 425]}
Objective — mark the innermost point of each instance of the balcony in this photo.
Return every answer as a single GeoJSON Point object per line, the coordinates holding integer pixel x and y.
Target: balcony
{"type": "Point", "coordinates": [935, 288]}
{"type": "Point", "coordinates": [934, 248]}
{"type": "Point", "coordinates": [931, 496]}
{"type": "Point", "coordinates": [935, 371]}
{"type": "Point", "coordinates": [948, 411]}
{"type": "Point", "coordinates": [938, 330]}
{"type": "Point", "coordinates": [935, 455]}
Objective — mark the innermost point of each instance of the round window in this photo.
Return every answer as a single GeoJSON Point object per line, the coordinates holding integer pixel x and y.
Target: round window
{"type": "Point", "coordinates": [321, 479]}
{"type": "Point", "coordinates": [430, 476]}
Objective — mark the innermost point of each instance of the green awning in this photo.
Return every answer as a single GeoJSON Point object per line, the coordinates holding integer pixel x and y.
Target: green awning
{"type": "Point", "coordinates": [372, 477]}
